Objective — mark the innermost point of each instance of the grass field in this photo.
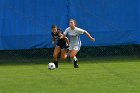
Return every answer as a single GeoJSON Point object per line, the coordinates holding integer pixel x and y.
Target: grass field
{"type": "Point", "coordinates": [101, 75]}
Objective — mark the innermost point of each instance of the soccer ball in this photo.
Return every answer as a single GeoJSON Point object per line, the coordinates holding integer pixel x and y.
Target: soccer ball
{"type": "Point", "coordinates": [51, 66]}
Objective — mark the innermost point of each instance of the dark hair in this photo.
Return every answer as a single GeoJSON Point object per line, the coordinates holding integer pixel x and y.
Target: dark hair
{"type": "Point", "coordinates": [54, 26]}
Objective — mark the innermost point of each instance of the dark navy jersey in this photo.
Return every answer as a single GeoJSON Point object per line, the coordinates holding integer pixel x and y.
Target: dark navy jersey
{"type": "Point", "coordinates": [57, 37]}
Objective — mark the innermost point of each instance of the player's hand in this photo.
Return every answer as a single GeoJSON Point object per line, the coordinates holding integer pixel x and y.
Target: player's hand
{"type": "Point", "coordinates": [68, 44]}
{"type": "Point", "coordinates": [92, 39]}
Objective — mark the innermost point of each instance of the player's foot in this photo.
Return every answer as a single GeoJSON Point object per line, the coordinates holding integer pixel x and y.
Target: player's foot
{"type": "Point", "coordinates": [56, 64]}
{"type": "Point", "coordinates": [76, 65]}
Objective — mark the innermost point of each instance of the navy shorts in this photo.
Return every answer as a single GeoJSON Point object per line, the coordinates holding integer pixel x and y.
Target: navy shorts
{"type": "Point", "coordinates": [62, 45]}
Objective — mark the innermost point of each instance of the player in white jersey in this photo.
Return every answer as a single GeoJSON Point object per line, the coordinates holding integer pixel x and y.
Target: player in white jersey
{"type": "Point", "coordinates": [75, 42]}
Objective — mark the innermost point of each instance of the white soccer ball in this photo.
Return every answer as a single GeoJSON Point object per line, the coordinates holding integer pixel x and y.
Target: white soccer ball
{"type": "Point", "coordinates": [51, 66]}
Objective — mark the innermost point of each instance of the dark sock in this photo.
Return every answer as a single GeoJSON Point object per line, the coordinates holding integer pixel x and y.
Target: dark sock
{"type": "Point", "coordinates": [56, 64]}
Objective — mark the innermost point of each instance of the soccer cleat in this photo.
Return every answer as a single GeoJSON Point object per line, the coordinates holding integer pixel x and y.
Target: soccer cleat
{"type": "Point", "coordinates": [76, 65]}
{"type": "Point", "coordinates": [56, 64]}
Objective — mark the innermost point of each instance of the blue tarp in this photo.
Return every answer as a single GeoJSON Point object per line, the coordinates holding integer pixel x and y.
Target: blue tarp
{"type": "Point", "coordinates": [26, 24]}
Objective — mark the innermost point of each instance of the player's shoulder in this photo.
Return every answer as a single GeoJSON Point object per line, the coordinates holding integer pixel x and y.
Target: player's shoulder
{"type": "Point", "coordinates": [77, 28]}
{"type": "Point", "coordinates": [67, 29]}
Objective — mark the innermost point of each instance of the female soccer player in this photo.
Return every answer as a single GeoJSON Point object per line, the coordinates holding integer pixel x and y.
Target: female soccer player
{"type": "Point", "coordinates": [75, 42]}
{"type": "Point", "coordinates": [62, 44]}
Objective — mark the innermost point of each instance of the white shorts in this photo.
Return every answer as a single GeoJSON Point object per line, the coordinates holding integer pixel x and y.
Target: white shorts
{"type": "Point", "coordinates": [74, 48]}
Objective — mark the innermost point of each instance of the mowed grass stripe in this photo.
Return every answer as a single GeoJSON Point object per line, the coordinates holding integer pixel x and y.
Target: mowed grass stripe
{"type": "Point", "coordinates": [94, 76]}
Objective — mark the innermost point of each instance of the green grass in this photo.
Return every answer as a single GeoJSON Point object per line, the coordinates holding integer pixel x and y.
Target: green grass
{"type": "Point", "coordinates": [101, 75]}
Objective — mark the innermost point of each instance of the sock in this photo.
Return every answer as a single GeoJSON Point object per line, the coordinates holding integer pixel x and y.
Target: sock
{"type": "Point", "coordinates": [74, 59]}
{"type": "Point", "coordinates": [56, 64]}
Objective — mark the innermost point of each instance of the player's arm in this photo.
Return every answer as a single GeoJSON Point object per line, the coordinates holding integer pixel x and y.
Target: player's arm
{"type": "Point", "coordinates": [62, 36]}
{"type": "Point", "coordinates": [81, 31]}
{"type": "Point", "coordinates": [53, 40]}
{"type": "Point", "coordinates": [67, 40]}
{"type": "Point", "coordinates": [89, 36]}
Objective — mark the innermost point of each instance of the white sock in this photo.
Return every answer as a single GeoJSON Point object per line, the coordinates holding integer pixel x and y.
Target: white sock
{"type": "Point", "coordinates": [74, 59]}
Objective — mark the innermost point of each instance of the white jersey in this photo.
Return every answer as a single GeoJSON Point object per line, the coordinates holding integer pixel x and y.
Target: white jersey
{"type": "Point", "coordinates": [74, 35]}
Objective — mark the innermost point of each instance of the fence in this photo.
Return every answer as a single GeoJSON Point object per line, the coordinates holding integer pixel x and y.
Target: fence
{"type": "Point", "coordinates": [25, 26]}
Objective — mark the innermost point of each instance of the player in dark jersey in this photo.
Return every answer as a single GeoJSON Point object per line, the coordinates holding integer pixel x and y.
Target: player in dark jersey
{"type": "Point", "coordinates": [61, 46]}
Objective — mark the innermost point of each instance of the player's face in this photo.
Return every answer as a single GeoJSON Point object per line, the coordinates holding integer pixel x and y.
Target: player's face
{"type": "Point", "coordinates": [72, 24]}
{"type": "Point", "coordinates": [54, 30]}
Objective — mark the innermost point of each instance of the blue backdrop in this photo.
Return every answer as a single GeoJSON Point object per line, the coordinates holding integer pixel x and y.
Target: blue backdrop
{"type": "Point", "coordinates": [26, 24]}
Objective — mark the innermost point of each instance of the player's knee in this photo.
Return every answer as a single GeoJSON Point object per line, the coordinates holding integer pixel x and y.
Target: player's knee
{"type": "Point", "coordinates": [63, 57]}
{"type": "Point", "coordinates": [72, 56]}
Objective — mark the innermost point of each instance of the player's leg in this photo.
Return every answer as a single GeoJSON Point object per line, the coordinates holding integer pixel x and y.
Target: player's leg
{"type": "Point", "coordinates": [73, 57]}
{"type": "Point", "coordinates": [64, 51]}
{"type": "Point", "coordinates": [55, 55]}
{"type": "Point", "coordinates": [64, 54]}
{"type": "Point", "coordinates": [73, 53]}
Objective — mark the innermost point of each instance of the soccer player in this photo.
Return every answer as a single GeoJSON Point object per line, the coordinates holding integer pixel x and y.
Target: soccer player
{"type": "Point", "coordinates": [62, 44]}
{"type": "Point", "coordinates": [75, 42]}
